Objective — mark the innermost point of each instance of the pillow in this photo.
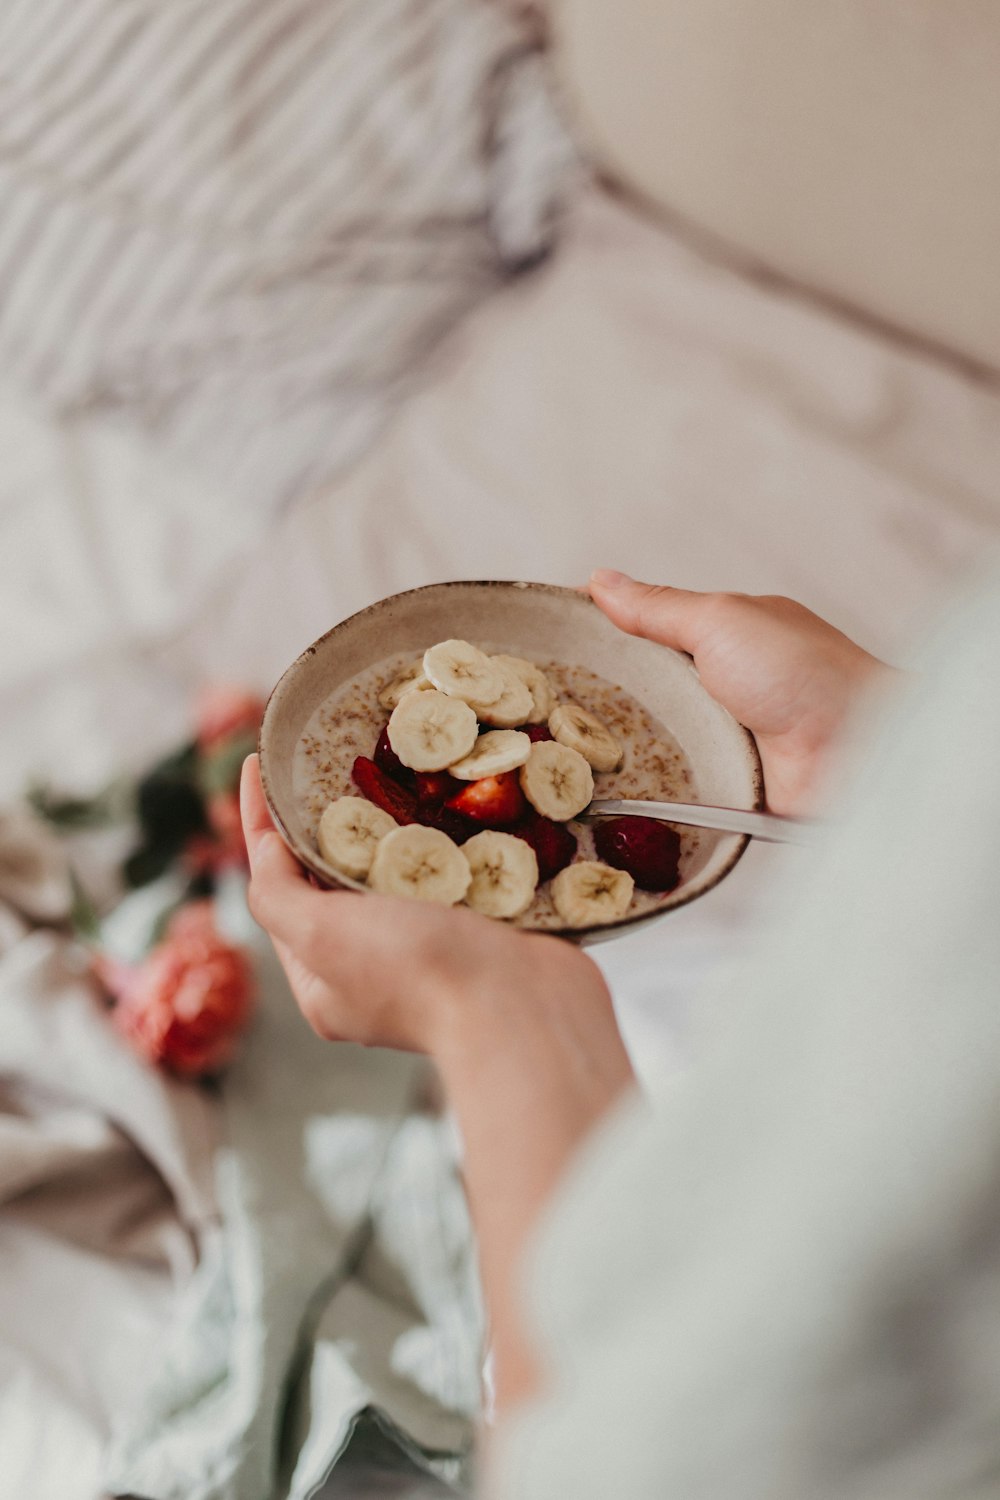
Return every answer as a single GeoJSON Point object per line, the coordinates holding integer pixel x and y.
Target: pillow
{"type": "Point", "coordinates": [849, 145]}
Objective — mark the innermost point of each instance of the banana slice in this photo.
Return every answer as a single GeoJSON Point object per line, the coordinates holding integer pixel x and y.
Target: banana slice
{"type": "Point", "coordinates": [496, 751]}
{"type": "Point", "coordinates": [583, 731]}
{"type": "Point", "coordinates": [557, 781]}
{"type": "Point", "coordinates": [463, 671]}
{"type": "Point", "coordinates": [420, 863]}
{"type": "Point", "coordinates": [430, 731]}
{"type": "Point", "coordinates": [504, 874]}
{"type": "Point", "coordinates": [411, 679]}
{"type": "Point", "coordinates": [513, 705]}
{"type": "Point", "coordinates": [348, 833]}
{"type": "Point", "coordinates": [542, 695]}
{"type": "Point", "coordinates": [590, 894]}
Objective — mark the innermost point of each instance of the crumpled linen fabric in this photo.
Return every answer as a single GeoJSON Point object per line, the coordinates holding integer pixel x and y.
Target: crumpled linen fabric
{"type": "Point", "coordinates": [205, 1289]}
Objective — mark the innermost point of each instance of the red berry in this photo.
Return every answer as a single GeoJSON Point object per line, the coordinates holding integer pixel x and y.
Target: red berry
{"type": "Point", "coordinates": [435, 787]}
{"type": "Point", "coordinates": [453, 824]}
{"type": "Point", "coordinates": [648, 849]}
{"type": "Point", "coordinates": [388, 761]}
{"type": "Point", "coordinates": [495, 801]}
{"type": "Point", "coordinates": [398, 801]}
{"type": "Point", "coordinates": [553, 844]}
{"type": "Point", "coordinates": [536, 732]}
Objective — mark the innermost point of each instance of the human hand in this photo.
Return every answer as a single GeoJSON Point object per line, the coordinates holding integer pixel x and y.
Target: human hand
{"type": "Point", "coordinates": [520, 1025]}
{"type": "Point", "coordinates": [368, 969]}
{"type": "Point", "coordinates": [420, 977]}
{"type": "Point", "coordinates": [784, 673]}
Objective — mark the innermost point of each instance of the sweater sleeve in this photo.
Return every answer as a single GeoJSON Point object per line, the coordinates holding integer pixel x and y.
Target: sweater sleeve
{"type": "Point", "coordinates": [783, 1281]}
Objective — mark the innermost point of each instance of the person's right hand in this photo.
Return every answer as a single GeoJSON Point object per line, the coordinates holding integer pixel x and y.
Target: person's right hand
{"type": "Point", "coordinates": [784, 673]}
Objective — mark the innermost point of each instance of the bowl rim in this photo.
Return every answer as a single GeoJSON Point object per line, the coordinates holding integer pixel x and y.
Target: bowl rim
{"type": "Point", "coordinates": [330, 879]}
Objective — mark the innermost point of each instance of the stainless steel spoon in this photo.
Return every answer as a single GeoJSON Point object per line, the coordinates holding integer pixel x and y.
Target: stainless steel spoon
{"type": "Point", "coordinates": [760, 825]}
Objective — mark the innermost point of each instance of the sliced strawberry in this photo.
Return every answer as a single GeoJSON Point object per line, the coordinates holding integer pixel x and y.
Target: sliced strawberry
{"type": "Point", "coordinates": [648, 849]}
{"type": "Point", "coordinates": [453, 824]}
{"type": "Point", "coordinates": [398, 801]}
{"type": "Point", "coordinates": [388, 761]}
{"type": "Point", "coordinates": [435, 787]}
{"type": "Point", "coordinates": [494, 801]}
{"type": "Point", "coordinates": [552, 842]}
{"type": "Point", "coordinates": [536, 732]}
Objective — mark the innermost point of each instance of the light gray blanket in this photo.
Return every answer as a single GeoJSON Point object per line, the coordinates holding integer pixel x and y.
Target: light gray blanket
{"type": "Point", "coordinates": [222, 1281]}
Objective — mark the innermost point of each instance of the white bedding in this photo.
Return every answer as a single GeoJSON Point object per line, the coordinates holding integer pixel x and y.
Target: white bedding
{"type": "Point", "coordinates": [243, 225]}
{"type": "Point", "coordinates": [632, 404]}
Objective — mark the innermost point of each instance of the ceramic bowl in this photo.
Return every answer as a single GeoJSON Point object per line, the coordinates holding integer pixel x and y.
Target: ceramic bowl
{"type": "Point", "coordinates": [526, 619]}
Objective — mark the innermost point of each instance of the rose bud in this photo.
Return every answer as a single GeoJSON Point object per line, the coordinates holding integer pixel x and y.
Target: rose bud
{"type": "Point", "coordinates": [222, 713]}
{"type": "Point", "coordinates": [186, 1004]}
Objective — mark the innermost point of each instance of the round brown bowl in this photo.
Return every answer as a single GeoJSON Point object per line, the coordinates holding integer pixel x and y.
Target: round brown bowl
{"type": "Point", "coordinates": [534, 620]}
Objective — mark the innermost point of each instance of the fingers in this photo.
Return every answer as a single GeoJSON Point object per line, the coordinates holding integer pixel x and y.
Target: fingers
{"type": "Point", "coordinates": [280, 896]}
{"type": "Point", "coordinates": [254, 810]}
{"type": "Point", "coordinates": [672, 617]}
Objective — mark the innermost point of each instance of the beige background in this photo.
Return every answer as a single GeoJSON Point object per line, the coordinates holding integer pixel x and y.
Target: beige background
{"type": "Point", "coordinates": [852, 145]}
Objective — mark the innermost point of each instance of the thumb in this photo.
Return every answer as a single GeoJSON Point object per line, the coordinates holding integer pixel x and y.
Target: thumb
{"type": "Point", "coordinates": [671, 617]}
{"type": "Point", "coordinates": [258, 826]}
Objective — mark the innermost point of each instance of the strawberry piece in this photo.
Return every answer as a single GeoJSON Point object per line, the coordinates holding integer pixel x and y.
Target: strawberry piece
{"type": "Point", "coordinates": [494, 801]}
{"type": "Point", "coordinates": [372, 782]}
{"type": "Point", "coordinates": [536, 732]}
{"type": "Point", "coordinates": [453, 824]}
{"type": "Point", "coordinates": [648, 849]}
{"type": "Point", "coordinates": [388, 761]}
{"type": "Point", "coordinates": [552, 842]}
{"type": "Point", "coordinates": [435, 787]}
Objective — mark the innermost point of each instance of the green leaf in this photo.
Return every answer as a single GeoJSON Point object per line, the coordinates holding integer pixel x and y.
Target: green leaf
{"type": "Point", "coordinates": [83, 913]}
{"type": "Point", "coordinates": [219, 769]}
{"type": "Point", "coordinates": [113, 804]}
{"type": "Point", "coordinates": [146, 864]}
{"type": "Point", "coordinates": [180, 765]}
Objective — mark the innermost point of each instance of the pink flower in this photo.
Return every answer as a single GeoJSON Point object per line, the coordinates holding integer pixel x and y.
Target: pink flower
{"type": "Point", "coordinates": [224, 712]}
{"type": "Point", "coordinates": [185, 1006]}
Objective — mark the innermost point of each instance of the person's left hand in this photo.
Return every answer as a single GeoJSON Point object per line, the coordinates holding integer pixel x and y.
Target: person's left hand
{"type": "Point", "coordinates": [381, 970]}
{"type": "Point", "coordinates": [521, 1026]}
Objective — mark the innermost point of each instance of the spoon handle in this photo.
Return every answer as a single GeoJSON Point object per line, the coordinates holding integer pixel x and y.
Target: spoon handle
{"type": "Point", "coordinates": [759, 825]}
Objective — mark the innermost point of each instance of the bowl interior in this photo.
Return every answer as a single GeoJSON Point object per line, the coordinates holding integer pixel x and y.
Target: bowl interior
{"type": "Point", "coordinates": [534, 620]}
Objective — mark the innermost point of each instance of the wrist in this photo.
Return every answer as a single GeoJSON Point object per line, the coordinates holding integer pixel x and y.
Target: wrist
{"type": "Point", "coordinates": [804, 762]}
{"type": "Point", "coordinates": [539, 1011]}
{"type": "Point", "coordinates": [530, 1057]}
{"type": "Point", "coordinates": [493, 1003]}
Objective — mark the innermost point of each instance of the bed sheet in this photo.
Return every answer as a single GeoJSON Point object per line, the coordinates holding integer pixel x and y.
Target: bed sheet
{"type": "Point", "coordinates": [632, 404]}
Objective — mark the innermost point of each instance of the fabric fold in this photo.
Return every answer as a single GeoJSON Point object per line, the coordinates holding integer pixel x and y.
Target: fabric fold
{"type": "Point", "coordinates": [234, 1273]}
{"type": "Point", "coordinates": [277, 1347]}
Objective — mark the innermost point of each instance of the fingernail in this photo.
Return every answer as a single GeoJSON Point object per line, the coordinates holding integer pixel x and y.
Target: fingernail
{"type": "Point", "coordinates": [609, 578]}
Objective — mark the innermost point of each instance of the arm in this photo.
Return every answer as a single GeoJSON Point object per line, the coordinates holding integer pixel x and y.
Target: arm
{"type": "Point", "coordinates": [521, 1026]}
{"type": "Point", "coordinates": [792, 1266]}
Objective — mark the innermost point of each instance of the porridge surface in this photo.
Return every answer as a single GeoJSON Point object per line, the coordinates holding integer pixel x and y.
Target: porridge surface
{"type": "Point", "coordinates": [349, 721]}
